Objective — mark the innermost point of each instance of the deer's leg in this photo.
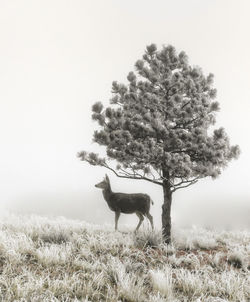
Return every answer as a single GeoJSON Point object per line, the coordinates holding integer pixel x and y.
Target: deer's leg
{"type": "Point", "coordinates": [150, 218]}
{"type": "Point", "coordinates": [117, 215]}
{"type": "Point", "coordinates": [140, 216]}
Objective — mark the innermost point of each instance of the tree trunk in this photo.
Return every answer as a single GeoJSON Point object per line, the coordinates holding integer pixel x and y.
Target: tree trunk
{"type": "Point", "coordinates": [166, 212]}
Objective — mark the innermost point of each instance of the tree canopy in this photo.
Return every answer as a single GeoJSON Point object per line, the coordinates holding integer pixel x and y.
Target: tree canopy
{"type": "Point", "coordinates": [158, 126]}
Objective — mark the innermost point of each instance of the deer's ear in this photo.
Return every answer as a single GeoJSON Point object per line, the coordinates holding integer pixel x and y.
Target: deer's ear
{"type": "Point", "coordinates": [107, 178]}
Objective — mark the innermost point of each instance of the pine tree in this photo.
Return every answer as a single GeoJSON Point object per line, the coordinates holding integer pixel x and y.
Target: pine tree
{"type": "Point", "coordinates": [158, 127]}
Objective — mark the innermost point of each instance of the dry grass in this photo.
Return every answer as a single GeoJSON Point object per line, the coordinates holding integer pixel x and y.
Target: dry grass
{"type": "Point", "coordinates": [44, 259]}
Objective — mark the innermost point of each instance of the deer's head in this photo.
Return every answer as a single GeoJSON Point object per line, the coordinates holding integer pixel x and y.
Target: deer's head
{"type": "Point", "coordinates": [103, 184]}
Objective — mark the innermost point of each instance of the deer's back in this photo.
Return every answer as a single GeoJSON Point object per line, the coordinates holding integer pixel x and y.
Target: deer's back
{"type": "Point", "coordinates": [129, 203]}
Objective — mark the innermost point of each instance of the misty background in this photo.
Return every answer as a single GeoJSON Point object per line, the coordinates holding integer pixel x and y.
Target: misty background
{"type": "Point", "coordinates": [58, 57]}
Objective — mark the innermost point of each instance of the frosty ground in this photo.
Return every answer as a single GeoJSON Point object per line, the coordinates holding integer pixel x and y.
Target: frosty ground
{"type": "Point", "coordinates": [56, 259]}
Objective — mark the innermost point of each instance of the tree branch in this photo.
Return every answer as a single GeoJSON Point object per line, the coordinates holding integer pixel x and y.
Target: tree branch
{"type": "Point", "coordinates": [186, 181]}
{"type": "Point", "coordinates": [185, 186]}
{"type": "Point", "coordinates": [183, 125]}
{"type": "Point", "coordinates": [185, 104]}
{"type": "Point", "coordinates": [131, 177]}
{"type": "Point", "coordinates": [169, 89]}
{"type": "Point", "coordinates": [127, 173]}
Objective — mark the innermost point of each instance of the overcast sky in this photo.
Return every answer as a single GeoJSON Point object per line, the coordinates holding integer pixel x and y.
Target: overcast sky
{"type": "Point", "coordinates": [58, 57]}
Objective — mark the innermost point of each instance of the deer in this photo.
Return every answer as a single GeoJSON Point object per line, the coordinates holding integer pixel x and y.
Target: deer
{"type": "Point", "coordinates": [137, 203]}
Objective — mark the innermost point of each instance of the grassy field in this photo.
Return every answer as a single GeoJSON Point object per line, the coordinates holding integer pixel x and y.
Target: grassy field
{"type": "Point", "coordinates": [45, 259]}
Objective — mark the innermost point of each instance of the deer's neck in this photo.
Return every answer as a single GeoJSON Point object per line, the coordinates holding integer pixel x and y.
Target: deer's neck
{"type": "Point", "coordinates": [107, 193]}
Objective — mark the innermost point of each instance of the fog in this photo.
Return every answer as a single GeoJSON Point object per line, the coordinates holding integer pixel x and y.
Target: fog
{"type": "Point", "coordinates": [59, 57]}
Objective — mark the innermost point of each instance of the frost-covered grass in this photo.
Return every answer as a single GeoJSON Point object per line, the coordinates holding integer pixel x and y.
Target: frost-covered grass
{"type": "Point", "coordinates": [45, 259]}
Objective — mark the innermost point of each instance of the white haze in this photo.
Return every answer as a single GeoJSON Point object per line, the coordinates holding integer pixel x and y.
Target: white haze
{"type": "Point", "coordinates": [58, 57]}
